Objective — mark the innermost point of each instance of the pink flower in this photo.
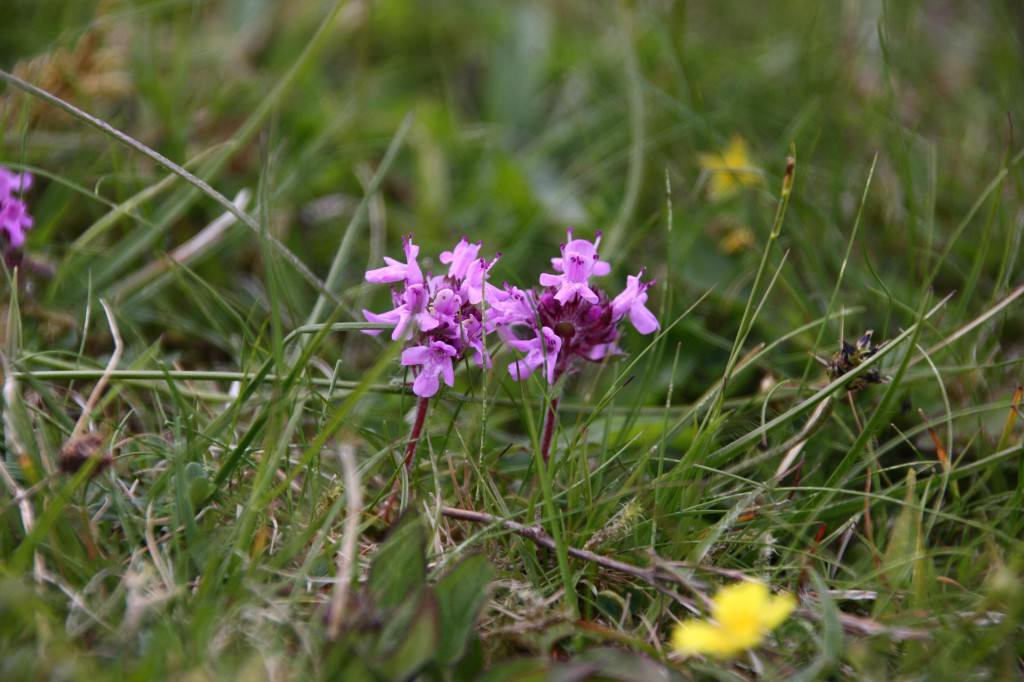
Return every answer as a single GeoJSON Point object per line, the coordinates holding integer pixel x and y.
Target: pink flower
{"type": "Point", "coordinates": [475, 283]}
{"type": "Point", "coordinates": [438, 315]}
{"type": "Point", "coordinates": [600, 351]}
{"type": "Point", "coordinates": [511, 306]}
{"type": "Point", "coordinates": [539, 350]}
{"type": "Point", "coordinates": [601, 267]}
{"type": "Point", "coordinates": [633, 301]}
{"type": "Point", "coordinates": [14, 220]}
{"type": "Point", "coordinates": [396, 271]}
{"type": "Point", "coordinates": [11, 182]}
{"type": "Point", "coordinates": [434, 361]}
{"type": "Point", "coordinates": [413, 307]}
{"type": "Point", "coordinates": [445, 304]}
{"type": "Point", "coordinates": [578, 262]}
{"type": "Point", "coordinates": [14, 217]}
{"type": "Point", "coordinates": [460, 258]}
{"type": "Point", "coordinates": [471, 334]}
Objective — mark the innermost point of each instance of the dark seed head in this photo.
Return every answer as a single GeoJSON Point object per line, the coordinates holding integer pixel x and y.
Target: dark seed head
{"type": "Point", "coordinates": [565, 329]}
{"type": "Point", "coordinates": [849, 358]}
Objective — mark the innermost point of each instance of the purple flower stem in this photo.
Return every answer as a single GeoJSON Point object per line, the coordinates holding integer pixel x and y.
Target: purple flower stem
{"type": "Point", "coordinates": [410, 452]}
{"type": "Point", "coordinates": [549, 429]}
{"type": "Point", "coordinates": [417, 428]}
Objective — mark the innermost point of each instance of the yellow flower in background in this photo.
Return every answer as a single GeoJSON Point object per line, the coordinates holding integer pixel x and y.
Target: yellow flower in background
{"type": "Point", "coordinates": [737, 239]}
{"type": "Point", "coordinates": [730, 169]}
{"type": "Point", "coordinates": [744, 613]}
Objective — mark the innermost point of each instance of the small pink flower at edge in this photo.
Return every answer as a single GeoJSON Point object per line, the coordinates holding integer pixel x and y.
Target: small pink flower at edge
{"type": "Point", "coordinates": [633, 302]}
{"type": "Point", "coordinates": [15, 220]}
{"type": "Point", "coordinates": [396, 271]}
{"type": "Point", "coordinates": [11, 182]}
{"type": "Point", "coordinates": [14, 217]}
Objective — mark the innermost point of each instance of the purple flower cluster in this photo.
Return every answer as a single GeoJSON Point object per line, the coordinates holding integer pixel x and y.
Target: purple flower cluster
{"type": "Point", "coordinates": [571, 319]}
{"type": "Point", "coordinates": [441, 314]}
{"type": "Point", "coordinates": [14, 217]}
{"type": "Point", "coordinates": [447, 317]}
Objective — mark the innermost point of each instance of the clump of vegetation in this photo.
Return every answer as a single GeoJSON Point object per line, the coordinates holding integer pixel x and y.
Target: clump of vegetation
{"type": "Point", "coordinates": [220, 462]}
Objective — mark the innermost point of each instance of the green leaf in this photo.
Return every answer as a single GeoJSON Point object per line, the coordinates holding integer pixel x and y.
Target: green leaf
{"type": "Point", "coordinates": [612, 664]}
{"type": "Point", "coordinates": [518, 670]}
{"type": "Point", "coordinates": [832, 628]}
{"type": "Point", "coordinates": [199, 486]}
{"type": "Point", "coordinates": [420, 644]}
{"type": "Point", "coordinates": [831, 642]}
{"type": "Point", "coordinates": [899, 560]}
{"type": "Point", "coordinates": [460, 596]}
{"type": "Point", "coordinates": [400, 565]}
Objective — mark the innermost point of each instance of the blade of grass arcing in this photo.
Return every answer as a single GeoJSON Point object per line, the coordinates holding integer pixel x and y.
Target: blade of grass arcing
{"type": "Point", "coordinates": [166, 163]}
{"type": "Point", "coordinates": [842, 269]}
{"type": "Point", "coordinates": [104, 379]}
{"type": "Point", "coordinates": [752, 436]}
{"type": "Point", "coordinates": [347, 551]}
{"type": "Point", "coordinates": [634, 176]}
{"type": "Point", "coordinates": [1011, 253]}
{"type": "Point", "coordinates": [25, 552]}
{"type": "Point", "coordinates": [126, 209]}
{"type": "Point", "coordinates": [338, 416]}
{"type": "Point", "coordinates": [191, 250]}
{"type": "Point", "coordinates": [973, 324]}
{"type": "Point", "coordinates": [341, 256]}
{"type": "Point", "coordinates": [980, 247]}
{"type": "Point", "coordinates": [209, 170]}
{"type": "Point", "coordinates": [992, 186]}
{"type": "Point", "coordinates": [700, 440]}
{"type": "Point", "coordinates": [11, 428]}
{"type": "Point", "coordinates": [945, 454]}
{"type": "Point", "coordinates": [622, 377]}
{"type": "Point", "coordinates": [843, 471]}
{"type": "Point", "coordinates": [1011, 418]}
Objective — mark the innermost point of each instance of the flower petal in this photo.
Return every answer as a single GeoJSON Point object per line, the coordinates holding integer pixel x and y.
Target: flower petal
{"type": "Point", "coordinates": [643, 319]}
{"type": "Point", "coordinates": [695, 637]}
{"type": "Point", "coordinates": [520, 370]}
{"type": "Point", "coordinates": [426, 384]}
{"type": "Point", "coordinates": [417, 355]}
{"type": "Point", "coordinates": [777, 610]}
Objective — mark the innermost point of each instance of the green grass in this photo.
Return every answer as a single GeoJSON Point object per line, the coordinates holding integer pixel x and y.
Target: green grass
{"type": "Point", "coordinates": [256, 433]}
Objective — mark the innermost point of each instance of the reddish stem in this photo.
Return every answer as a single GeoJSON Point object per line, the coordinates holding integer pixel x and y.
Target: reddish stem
{"type": "Point", "coordinates": [549, 429]}
{"type": "Point", "coordinates": [417, 428]}
{"type": "Point", "coordinates": [410, 453]}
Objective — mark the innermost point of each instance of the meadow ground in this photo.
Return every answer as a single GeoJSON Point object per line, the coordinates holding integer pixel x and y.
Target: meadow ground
{"type": "Point", "coordinates": [203, 456]}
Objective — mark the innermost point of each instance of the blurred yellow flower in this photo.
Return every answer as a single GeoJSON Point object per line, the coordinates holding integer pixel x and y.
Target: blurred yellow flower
{"type": "Point", "coordinates": [730, 169]}
{"type": "Point", "coordinates": [737, 239]}
{"type": "Point", "coordinates": [743, 612]}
